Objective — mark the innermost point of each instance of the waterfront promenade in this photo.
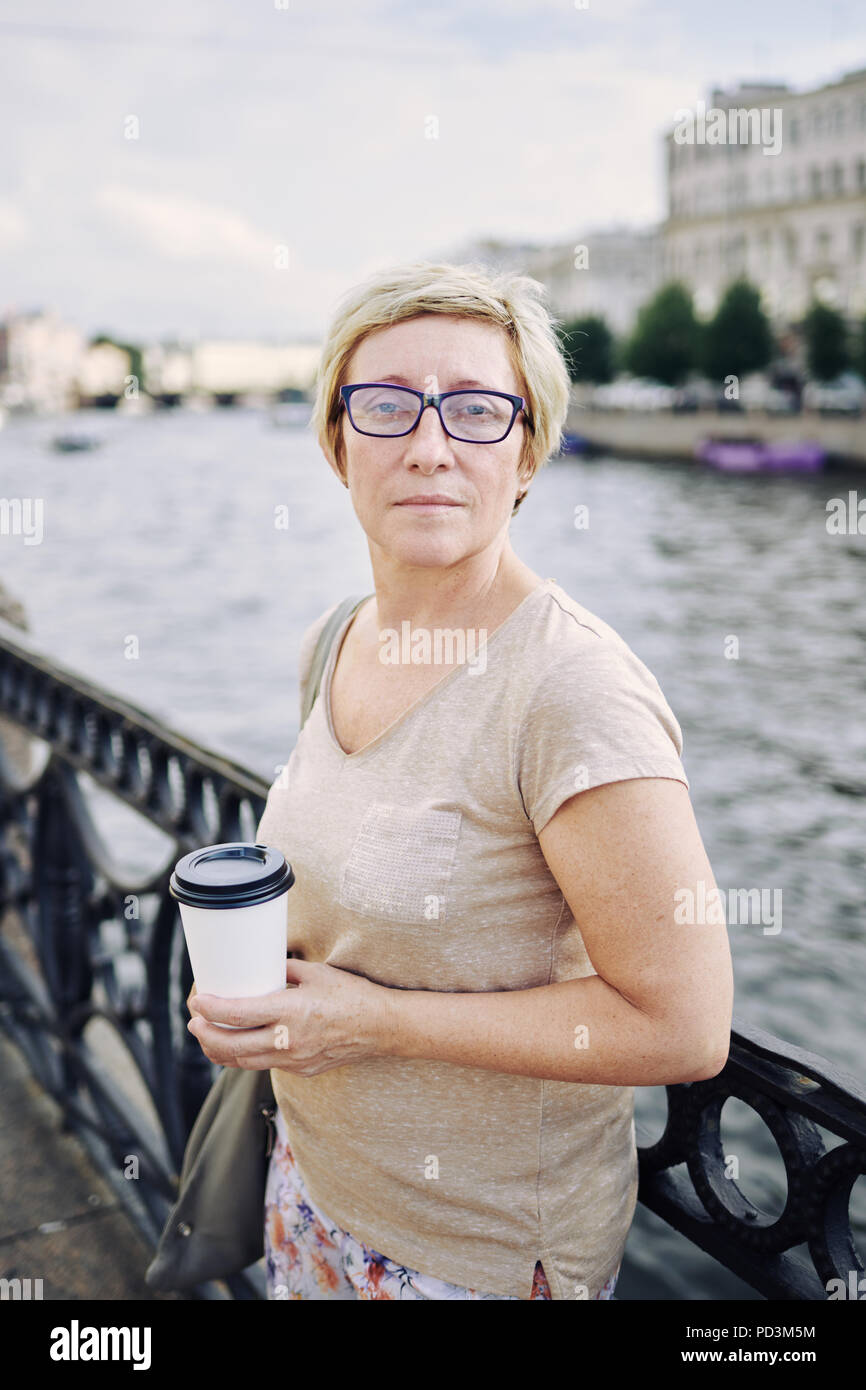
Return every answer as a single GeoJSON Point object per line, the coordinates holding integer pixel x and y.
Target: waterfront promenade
{"type": "Point", "coordinates": [667, 437]}
{"type": "Point", "coordinates": [60, 1221]}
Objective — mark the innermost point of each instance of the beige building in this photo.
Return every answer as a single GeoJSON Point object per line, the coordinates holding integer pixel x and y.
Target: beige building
{"type": "Point", "coordinates": [610, 273]}
{"type": "Point", "coordinates": [104, 371]}
{"type": "Point", "coordinates": [771, 184]}
{"type": "Point", "coordinates": [40, 359]}
{"type": "Point", "coordinates": [227, 367]}
{"type": "Point", "coordinates": [167, 369]}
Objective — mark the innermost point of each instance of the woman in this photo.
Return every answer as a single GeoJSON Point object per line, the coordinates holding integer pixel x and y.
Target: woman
{"type": "Point", "coordinates": [489, 823]}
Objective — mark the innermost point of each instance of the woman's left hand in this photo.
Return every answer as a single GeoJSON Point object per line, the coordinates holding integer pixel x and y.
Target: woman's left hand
{"type": "Point", "coordinates": [326, 1018]}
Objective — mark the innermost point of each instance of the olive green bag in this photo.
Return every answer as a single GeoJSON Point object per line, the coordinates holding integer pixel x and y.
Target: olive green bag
{"type": "Point", "coordinates": [216, 1226]}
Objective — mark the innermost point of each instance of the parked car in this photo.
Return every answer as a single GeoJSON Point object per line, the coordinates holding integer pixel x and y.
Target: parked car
{"type": "Point", "coordinates": [757, 392]}
{"type": "Point", "coordinates": [696, 394]}
{"type": "Point", "coordinates": [845, 395]}
{"type": "Point", "coordinates": [633, 393]}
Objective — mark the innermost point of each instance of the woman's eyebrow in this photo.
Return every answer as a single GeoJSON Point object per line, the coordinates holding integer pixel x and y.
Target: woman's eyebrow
{"type": "Point", "coordinates": [399, 380]}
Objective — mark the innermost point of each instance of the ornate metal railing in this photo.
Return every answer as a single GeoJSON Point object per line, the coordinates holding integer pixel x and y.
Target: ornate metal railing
{"type": "Point", "coordinates": [94, 977]}
{"type": "Point", "coordinates": [94, 972]}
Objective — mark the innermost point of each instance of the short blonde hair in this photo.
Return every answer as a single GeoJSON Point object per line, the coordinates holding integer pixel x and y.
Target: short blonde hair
{"type": "Point", "coordinates": [511, 301]}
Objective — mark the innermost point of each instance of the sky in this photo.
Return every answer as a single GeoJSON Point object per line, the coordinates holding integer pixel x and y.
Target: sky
{"type": "Point", "coordinates": [282, 150]}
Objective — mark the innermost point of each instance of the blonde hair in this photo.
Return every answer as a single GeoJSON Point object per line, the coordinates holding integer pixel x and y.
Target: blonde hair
{"type": "Point", "coordinates": [511, 301]}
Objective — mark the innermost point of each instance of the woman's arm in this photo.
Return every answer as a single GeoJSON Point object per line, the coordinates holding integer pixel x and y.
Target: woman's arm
{"type": "Point", "coordinates": [659, 1008]}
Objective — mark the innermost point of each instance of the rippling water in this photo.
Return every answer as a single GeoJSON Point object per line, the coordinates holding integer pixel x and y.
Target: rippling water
{"type": "Point", "coordinates": [167, 533]}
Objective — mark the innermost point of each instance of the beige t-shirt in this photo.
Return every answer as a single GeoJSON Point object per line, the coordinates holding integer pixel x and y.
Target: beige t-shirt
{"type": "Point", "coordinates": [418, 866]}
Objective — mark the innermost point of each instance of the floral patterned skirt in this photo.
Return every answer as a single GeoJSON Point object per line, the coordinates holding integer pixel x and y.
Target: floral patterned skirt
{"type": "Point", "coordinates": [307, 1256]}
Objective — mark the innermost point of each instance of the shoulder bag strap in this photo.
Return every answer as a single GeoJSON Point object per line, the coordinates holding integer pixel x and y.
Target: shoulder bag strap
{"type": "Point", "coordinates": [323, 649]}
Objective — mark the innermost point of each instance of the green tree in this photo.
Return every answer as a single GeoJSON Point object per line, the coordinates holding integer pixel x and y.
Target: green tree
{"type": "Point", "coordinates": [136, 362]}
{"type": "Point", "coordinates": [825, 333]}
{"type": "Point", "coordinates": [666, 342]}
{"type": "Point", "coordinates": [738, 338]}
{"type": "Point", "coordinates": [859, 362]}
{"type": "Point", "coordinates": [589, 349]}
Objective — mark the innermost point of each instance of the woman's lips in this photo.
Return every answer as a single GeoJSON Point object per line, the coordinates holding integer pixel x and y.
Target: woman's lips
{"type": "Point", "coordinates": [429, 503]}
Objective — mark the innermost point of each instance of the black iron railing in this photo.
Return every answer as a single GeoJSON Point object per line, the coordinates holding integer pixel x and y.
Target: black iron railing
{"type": "Point", "coordinates": [94, 977]}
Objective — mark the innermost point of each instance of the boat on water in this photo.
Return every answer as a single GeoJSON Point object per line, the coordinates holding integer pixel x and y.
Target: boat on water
{"type": "Point", "coordinates": [73, 443]}
{"type": "Point", "coordinates": [574, 443]}
{"type": "Point", "coordinates": [749, 455]}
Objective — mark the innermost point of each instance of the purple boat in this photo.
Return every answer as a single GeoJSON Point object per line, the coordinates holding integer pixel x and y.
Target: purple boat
{"type": "Point", "coordinates": [743, 455]}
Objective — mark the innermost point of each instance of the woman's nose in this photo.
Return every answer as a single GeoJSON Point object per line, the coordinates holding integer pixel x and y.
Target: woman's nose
{"type": "Point", "coordinates": [428, 440]}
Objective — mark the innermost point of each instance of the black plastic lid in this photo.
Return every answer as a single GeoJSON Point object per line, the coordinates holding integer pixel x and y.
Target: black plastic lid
{"type": "Point", "coordinates": [230, 875]}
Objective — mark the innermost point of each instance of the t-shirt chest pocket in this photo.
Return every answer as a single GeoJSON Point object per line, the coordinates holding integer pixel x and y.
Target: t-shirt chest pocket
{"type": "Point", "coordinates": [400, 864]}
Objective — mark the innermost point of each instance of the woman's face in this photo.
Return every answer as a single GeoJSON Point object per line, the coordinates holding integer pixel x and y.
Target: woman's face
{"type": "Point", "coordinates": [433, 353]}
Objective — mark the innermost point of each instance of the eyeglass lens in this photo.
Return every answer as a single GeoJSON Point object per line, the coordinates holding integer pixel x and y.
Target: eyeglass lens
{"type": "Point", "coordinates": [467, 414]}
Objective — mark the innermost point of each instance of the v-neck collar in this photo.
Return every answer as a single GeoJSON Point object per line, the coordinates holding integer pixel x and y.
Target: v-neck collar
{"type": "Point", "coordinates": [422, 699]}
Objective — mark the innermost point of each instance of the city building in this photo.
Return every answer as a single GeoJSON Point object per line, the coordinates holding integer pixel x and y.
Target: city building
{"type": "Point", "coordinates": [167, 370]}
{"type": "Point", "coordinates": [104, 374]}
{"type": "Point", "coordinates": [40, 360]}
{"type": "Point", "coordinates": [228, 368]}
{"type": "Point", "coordinates": [609, 272]}
{"type": "Point", "coordinates": [779, 198]}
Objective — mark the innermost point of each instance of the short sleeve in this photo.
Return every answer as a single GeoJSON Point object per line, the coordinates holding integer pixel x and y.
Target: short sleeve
{"type": "Point", "coordinates": [596, 714]}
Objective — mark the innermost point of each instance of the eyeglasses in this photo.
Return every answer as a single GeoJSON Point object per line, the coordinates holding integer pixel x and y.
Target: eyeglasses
{"type": "Point", "coordinates": [474, 417]}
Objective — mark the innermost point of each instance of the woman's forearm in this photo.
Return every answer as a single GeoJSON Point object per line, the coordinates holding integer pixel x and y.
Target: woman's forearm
{"type": "Point", "coordinates": [577, 1030]}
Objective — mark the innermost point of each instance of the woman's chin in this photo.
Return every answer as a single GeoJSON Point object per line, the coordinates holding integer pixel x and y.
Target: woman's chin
{"type": "Point", "coordinates": [428, 549]}
{"type": "Point", "coordinates": [427, 556]}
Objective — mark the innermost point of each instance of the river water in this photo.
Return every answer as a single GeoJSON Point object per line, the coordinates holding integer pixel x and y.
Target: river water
{"type": "Point", "coordinates": [166, 534]}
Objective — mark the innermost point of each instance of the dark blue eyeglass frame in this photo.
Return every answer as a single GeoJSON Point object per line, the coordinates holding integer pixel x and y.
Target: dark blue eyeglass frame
{"type": "Point", "coordinates": [517, 404]}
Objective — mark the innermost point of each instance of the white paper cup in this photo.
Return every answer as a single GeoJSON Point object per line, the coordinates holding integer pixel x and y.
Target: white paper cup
{"type": "Point", "coordinates": [233, 906]}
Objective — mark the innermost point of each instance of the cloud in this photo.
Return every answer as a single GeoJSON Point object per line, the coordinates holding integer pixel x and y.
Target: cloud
{"type": "Point", "coordinates": [187, 229]}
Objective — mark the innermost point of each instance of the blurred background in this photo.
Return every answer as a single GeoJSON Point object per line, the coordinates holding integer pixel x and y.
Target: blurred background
{"type": "Point", "coordinates": [187, 192]}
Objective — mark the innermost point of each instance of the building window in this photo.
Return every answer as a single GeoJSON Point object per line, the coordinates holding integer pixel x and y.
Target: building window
{"type": "Point", "coordinates": [794, 130]}
{"type": "Point", "coordinates": [861, 175]}
{"type": "Point", "coordinates": [815, 182]}
{"type": "Point", "coordinates": [737, 254]}
{"type": "Point", "coordinates": [791, 246]}
{"type": "Point", "coordinates": [858, 239]}
{"type": "Point", "coordinates": [818, 123]}
{"type": "Point", "coordinates": [837, 182]}
{"type": "Point", "coordinates": [838, 120]}
{"type": "Point", "coordinates": [822, 244]}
